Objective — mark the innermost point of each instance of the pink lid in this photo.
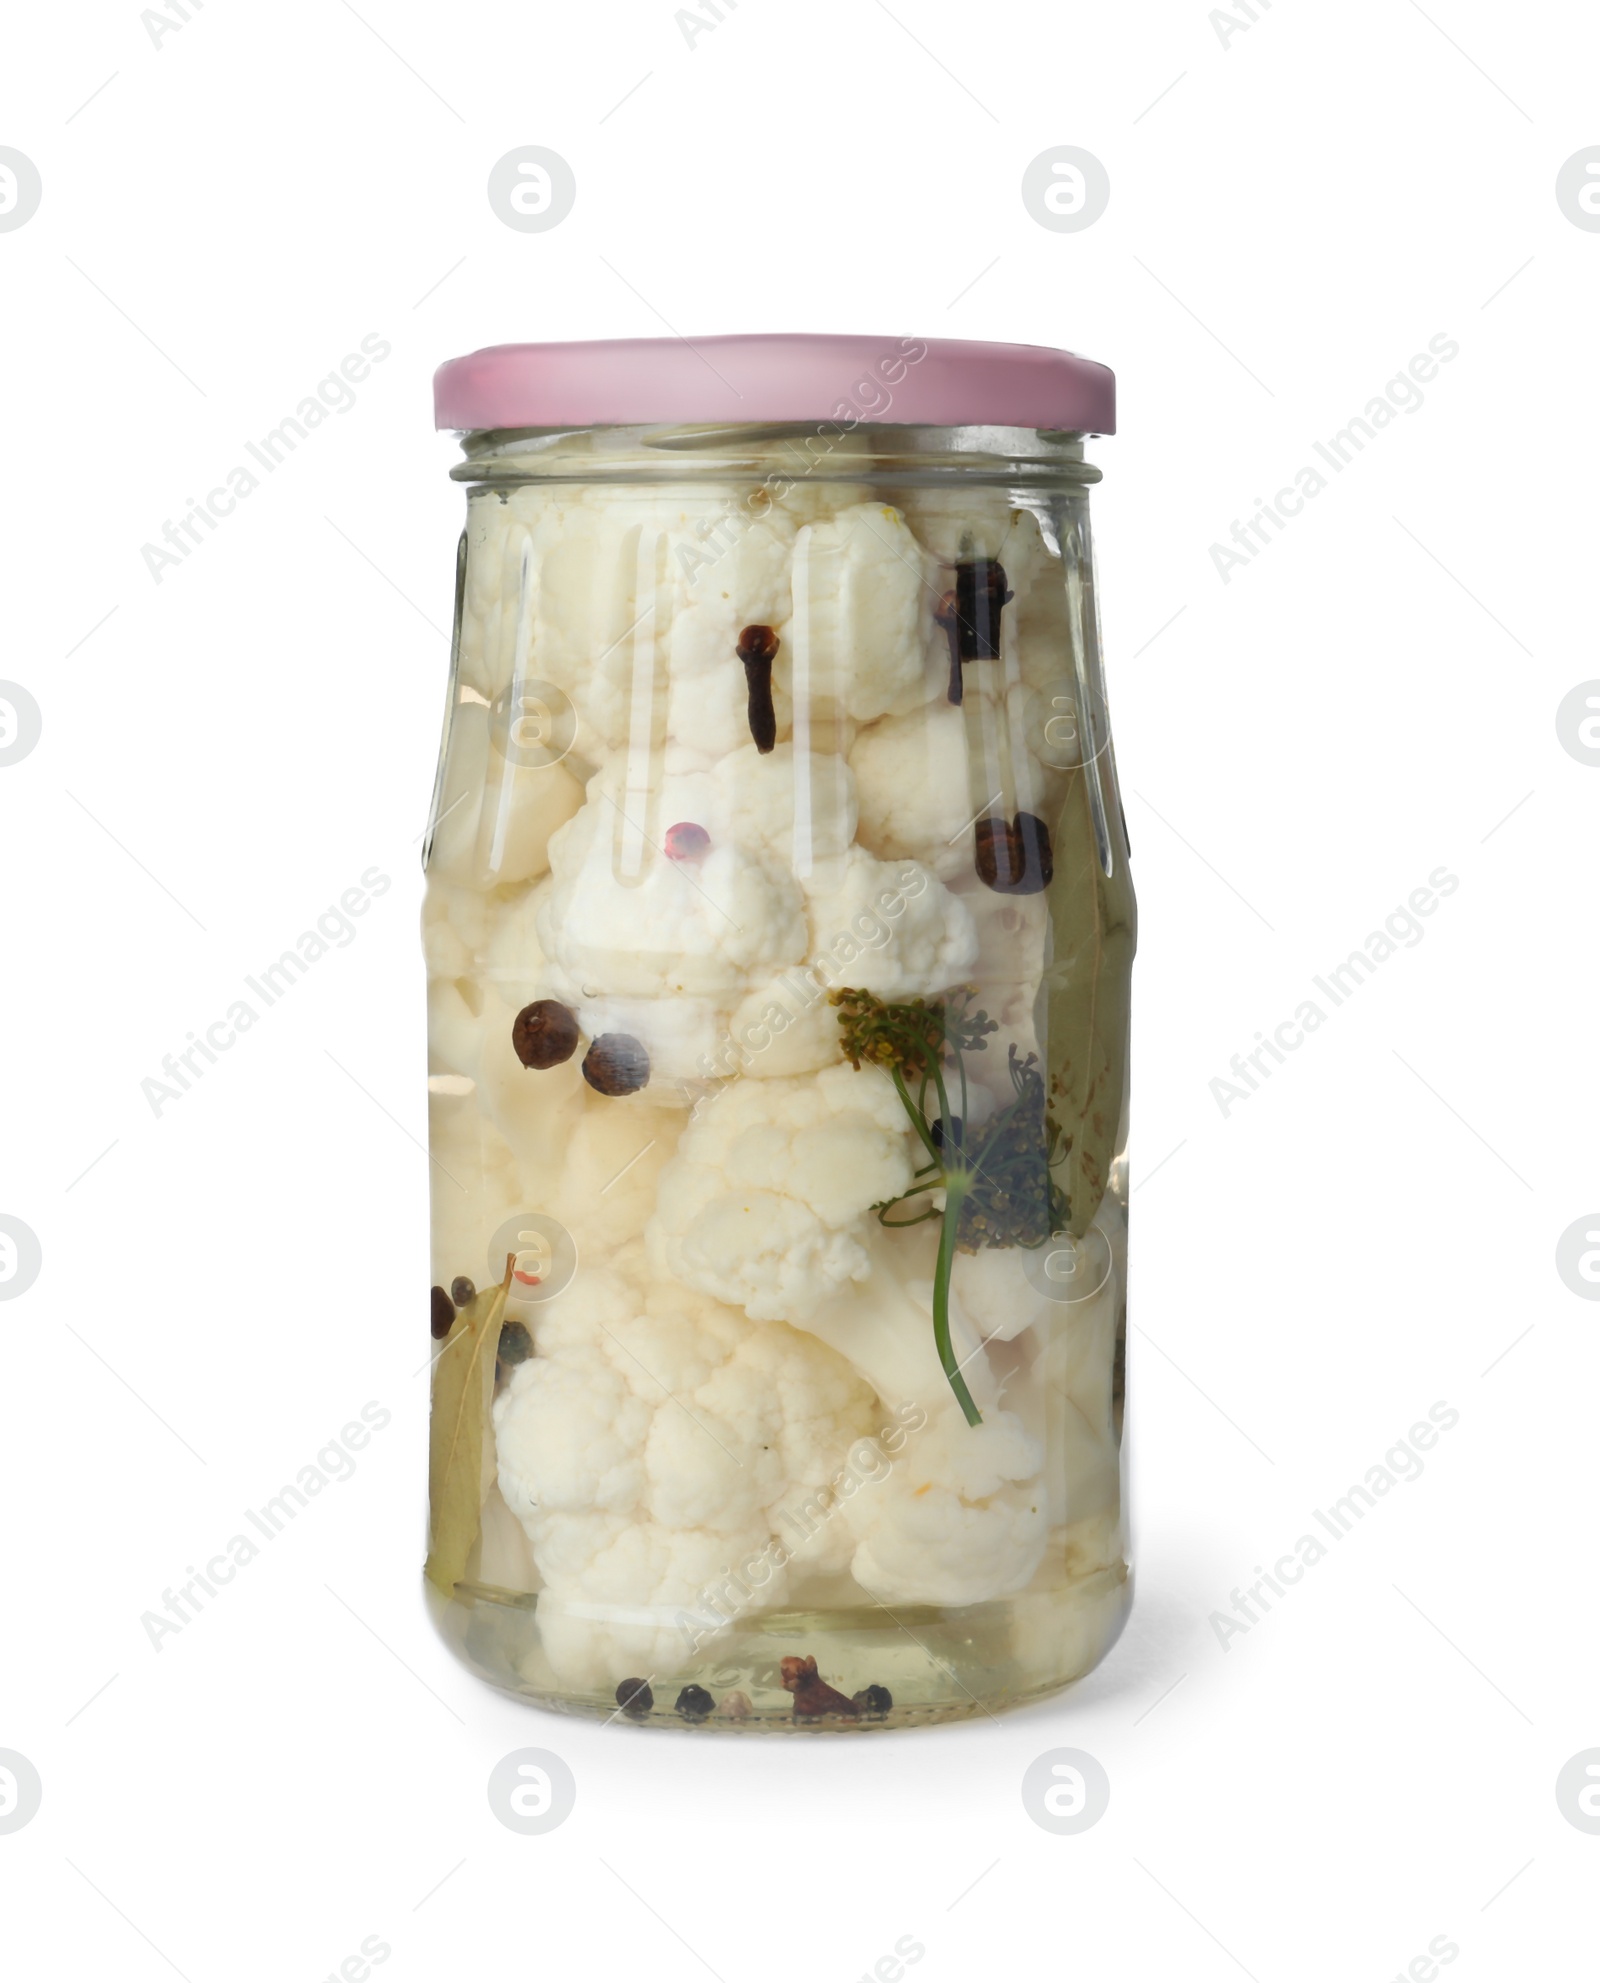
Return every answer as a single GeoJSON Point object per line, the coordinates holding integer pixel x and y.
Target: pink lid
{"type": "Point", "coordinates": [657, 381]}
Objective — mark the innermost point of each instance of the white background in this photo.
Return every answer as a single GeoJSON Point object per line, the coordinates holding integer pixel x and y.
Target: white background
{"type": "Point", "coordinates": [1310, 201]}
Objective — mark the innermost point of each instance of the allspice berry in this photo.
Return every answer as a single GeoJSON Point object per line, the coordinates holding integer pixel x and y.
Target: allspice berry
{"type": "Point", "coordinates": [1014, 857]}
{"type": "Point", "coordinates": [544, 1034]}
{"type": "Point", "coordinates": [616, 1064]}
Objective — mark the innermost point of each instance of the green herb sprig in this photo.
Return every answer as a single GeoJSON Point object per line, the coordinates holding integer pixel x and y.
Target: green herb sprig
{"type": "Point", "coordinates": [997, 1182]}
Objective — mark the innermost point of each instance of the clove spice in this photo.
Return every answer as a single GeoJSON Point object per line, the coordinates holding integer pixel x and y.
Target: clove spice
{"type": "Point", "coordinates": [812, 1694]}
{"type": "Point", "coordinates": [970, 616]}
{"type": "Point", "coordinates": [757, 647]}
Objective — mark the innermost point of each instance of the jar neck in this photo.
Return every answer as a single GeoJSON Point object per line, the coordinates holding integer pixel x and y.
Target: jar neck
{"type": "Point", "coordinates": [777, 455]}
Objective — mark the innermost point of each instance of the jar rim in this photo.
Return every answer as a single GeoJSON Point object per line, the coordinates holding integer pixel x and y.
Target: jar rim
{"type": "Point", "coordinates": [775, 451]}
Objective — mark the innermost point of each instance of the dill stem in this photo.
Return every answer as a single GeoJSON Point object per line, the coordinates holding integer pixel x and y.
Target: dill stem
{"type": "Point", "coordinates": [945, 1112]}
{"type": "Point", "coordinates": [957, 1184]}
{"type": "Point", "coordinates": [917, 1122]}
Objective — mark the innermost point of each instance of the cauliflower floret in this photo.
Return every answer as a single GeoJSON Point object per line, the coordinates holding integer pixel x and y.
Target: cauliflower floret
{"type": "Point", "coordinates": [762, 1204]}
{"type": "Point", "coordinates": [599, 597]}
{"type": "Point", "coordinates": [785, 1026]}
{"type": "Point", "coordinates": [734, 577]}
{"type": "Point", "coordinates": [768, 1253]}
{"type": "Point", "coordinates": [958, 523]}
{"type": "Point", "coordinates": [796, 808]}
{"type": "Point", "coordinates": [882, 1323]}
{"type": "Point", "coordinates": [608, 1182]}
{"type": "Point", "coordinates": [996, 1295]}
{"type": "Point", "coordinates": [646, 1600]}
{"type": "Point", "coordinates": [584, 588]}
{"type": "Point", "coordinates": [912, 787]}
{"type": "Point", "coordinates": [866, 590]}
{"type": "Point", "coordinates": [650, 1449]}
{"type": "Point", "coordinates": [738, 576]}
{"type": "Point", "coordinates": [960, 1518]}
{"type": "Point", "coordinates": [1065, 1352]}
{"type": "Point", "coordinates": [570, 1439]}
{"type": "Point", "coordinates": [892, 929]}
{"type": "Point", "coordinates": [622, 918]}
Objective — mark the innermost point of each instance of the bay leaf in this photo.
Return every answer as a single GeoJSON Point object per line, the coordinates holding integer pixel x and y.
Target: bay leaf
{"type": "Point", "coordinates": [460, 1436]}
{"type": "Point", "coordinates": [1087, 989]}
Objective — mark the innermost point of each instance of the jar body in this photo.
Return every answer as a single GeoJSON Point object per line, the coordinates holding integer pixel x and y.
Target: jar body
{"type": "Point", "coordinates": [779, 931]}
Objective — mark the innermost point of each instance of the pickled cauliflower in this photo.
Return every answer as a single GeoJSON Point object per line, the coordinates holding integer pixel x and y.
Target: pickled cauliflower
{"type": "Point", "coordinates": [621, 917]}
{"type": "Point", "coordinates": [651, 1446]}
{"type": "Point", "coordinates": [763, 1204]}
{"type": "Point", "coordinates": [960, 1519]}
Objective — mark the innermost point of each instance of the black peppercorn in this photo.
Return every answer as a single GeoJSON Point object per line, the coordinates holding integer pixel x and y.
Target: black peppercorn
{"type": "Point", "coordinates": [874, 1700]}
{"type": "Point", "coordinates": [757, 647]}
{"type": "Point", "coordinates": [515, 1345]}
{"type": "Point", "coordinates": [441, 1313]}
{"type": "Point", "coordinates": [544, 1034]}
{"type": "Point", "coordinates": [635, 1698]}
{"type": "Point", "coordinates": [955, 1132]}
{"type": "Point", "coordinates": [694, 1703]}
{"type": "Point", "coordinates": [462, 1291]}
{"type": "Point", "coordinates": [616, 1064]}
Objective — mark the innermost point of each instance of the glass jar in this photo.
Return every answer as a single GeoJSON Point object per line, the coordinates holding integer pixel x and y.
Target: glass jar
{"type": "Point", "coordinates": [779, 929]}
